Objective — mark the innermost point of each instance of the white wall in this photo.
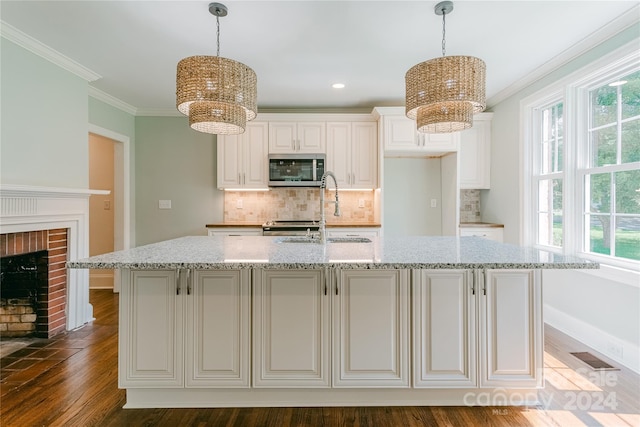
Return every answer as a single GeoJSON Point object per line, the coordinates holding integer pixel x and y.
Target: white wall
{"type": "Point", "coordinates": [44, 116]}
{"type": "Point", "coordinates": [598, 311]}
{"type": "Point", "coordinates": [174, 162]}
{"type": "Point", "coordinates": [409, 185]}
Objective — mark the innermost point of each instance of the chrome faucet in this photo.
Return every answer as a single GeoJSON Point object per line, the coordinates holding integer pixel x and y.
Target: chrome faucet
{"type": "Point", "coordinates": [323, 222]}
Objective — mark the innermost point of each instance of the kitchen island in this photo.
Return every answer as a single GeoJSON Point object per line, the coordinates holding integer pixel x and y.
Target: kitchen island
{"type": "Point", "coordinates": [262, 321]}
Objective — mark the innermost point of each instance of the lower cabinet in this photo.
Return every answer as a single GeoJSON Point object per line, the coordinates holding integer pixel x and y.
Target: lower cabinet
{"type": "Point", "coordinates": [323, 328]}
{"type": "Point", "coordinates": [291, 329]}
{"type": "Point", "coordinates": [503, 306]}
{"type": "Point", "coordinates": [184, 329]}
{"type": "Point", "coordinates": [371, 328]}
{"type": "Point", "coordinates": [292, 336]}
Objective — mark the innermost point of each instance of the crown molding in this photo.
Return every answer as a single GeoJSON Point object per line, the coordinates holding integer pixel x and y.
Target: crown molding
{"type": "Point", "coordinates": [42, 50]}
{"type": "Point", "coordinates": [621, 23]}
{"type": "Point", "coordinates": [112, 100]}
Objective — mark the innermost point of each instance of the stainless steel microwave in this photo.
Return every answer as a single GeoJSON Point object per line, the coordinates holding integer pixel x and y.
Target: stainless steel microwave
{"type": "Point", "coordinates": [296, 170]}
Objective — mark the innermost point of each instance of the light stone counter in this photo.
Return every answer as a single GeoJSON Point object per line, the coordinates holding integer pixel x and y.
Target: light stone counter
{"type": "Point", "coordinates": [420, 252]}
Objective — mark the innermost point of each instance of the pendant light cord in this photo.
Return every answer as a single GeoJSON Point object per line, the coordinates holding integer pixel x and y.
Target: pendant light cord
{"type": "Point", "coordinates": [443, 31]}
{"type": "Point", "coordinates": [218, 35]}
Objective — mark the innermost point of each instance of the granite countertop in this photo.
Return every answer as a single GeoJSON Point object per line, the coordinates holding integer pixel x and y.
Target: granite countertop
{"type": "Point", "coordinates": [223, 252]}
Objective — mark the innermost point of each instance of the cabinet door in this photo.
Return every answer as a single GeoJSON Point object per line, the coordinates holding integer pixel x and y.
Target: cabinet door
{"type": "Point", "coordinates": [282, 137]}
{"type": "Point", "coordinates": [218, 329]}
{"type": "Point", "coordinates": [371, 329]}
{"type": "Point", "coordinates": [311, 137]}
{"type": "Point", "coordinates": [230, 161]}
{"type": "Point", "coordinates": [290, 329]}
{"type": "Point", "coordinates": [255, 153]}
{"type": "Point", "coordinates": [400, 134]}
{"type": "Point", "coordinates": [444, 340]}
{"type": "Point", "coordinates": [440, 142]}
{"type": "Point", "coordinates": [339, 152]}
{"type": "Point", "coordinates": [475, 152]}
{"type": "Point", "coordinates": [364, 155]}
{"type": "Point", "coordinates": [511, 329]}
{"type": "Point", "coordinates": [150, 340]}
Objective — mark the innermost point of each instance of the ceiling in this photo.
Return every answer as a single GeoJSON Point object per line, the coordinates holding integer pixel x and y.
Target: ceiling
{"type": "Point", "coordinates": [300, 48]}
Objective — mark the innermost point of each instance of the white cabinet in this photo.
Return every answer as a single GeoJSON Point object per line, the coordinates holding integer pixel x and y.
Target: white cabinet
{"type": "Point", "coordinates": [510, 325]}
{"type": "Point", "coordinates": [297, 137]}
{"type": "Point", "coordinates": [235, 231]}
{"type": "Point", "coordinates": [242, 159]}
{"type": "Point", "coordinates": [503, 306]}
{"type": "Point", "coordinates": [401, 137]}
{"type": "Point", "coordinates": [218, 310]}
{"type": "Point", "coordinates": [371, 328]}
{"type": "Point", "coordinates": [444, 333]}
{"type": "Point", "coordinates": [151, 330]}
{"type": "Point", "coordinates": [475, 153]}
{"type": "Point", "coordinates": [184, 329]}
{"type": "Point", "coordinates": [491, 233]}
{"type": "Point", "coordinates": [291, 329]}
{"type": "Point", "coordinates": [352, 153]}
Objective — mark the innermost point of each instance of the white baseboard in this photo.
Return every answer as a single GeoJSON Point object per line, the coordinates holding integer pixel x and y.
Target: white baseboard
{"type": "Point", "coordinates": [620, 351]}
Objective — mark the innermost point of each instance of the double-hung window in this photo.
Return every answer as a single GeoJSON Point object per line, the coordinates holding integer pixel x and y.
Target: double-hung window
{"type": "Point", "coordinates": [582, 145]}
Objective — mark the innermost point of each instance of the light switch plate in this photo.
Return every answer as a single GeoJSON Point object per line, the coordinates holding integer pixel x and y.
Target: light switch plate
{"type": "Point", "coordinates": [434, 203]}
{"type": "Point", "coordinates": [164, 204]}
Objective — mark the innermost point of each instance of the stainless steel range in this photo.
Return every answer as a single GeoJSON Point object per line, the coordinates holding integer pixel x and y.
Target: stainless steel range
{"type": "Point", "coordinates": [290, 228]}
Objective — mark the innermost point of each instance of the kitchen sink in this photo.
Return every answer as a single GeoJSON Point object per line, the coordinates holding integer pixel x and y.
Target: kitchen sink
{"type": "Point", "coordinates": [299, 239]}
{"type": "Point", "coordinates": [348, 240]}
{"type": "Point", "coordinates": [305, 239]}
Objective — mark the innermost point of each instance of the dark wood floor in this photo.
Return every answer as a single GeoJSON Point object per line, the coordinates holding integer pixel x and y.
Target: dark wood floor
{"type": "Point", "coordinates": [71, 380]}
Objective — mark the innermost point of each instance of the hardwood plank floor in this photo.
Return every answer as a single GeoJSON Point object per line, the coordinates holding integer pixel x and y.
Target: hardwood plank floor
{"type": "Point", "coordinates": [72, 380]}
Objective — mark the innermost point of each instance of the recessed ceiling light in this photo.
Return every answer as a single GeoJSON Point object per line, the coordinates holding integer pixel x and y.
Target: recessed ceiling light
{"type": "Point", "coordinates": [338, 85]}
{"type": "Point", "coordinates": [618, 83]}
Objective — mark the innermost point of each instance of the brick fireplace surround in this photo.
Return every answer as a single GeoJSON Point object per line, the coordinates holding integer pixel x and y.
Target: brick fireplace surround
{"type": "Point", "coordinates": [42, 216]}
{"type": "Point", "coordinates": [52, 299]}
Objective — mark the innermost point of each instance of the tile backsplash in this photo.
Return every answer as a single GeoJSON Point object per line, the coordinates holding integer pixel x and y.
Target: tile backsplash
{"type": "Point", "coordinates": [470, 206]}
{"type": "Point", "coordinates": [300, 203]}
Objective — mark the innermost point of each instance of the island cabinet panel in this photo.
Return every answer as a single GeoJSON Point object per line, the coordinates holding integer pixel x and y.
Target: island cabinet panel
{"type": "Point", "coordinates": [151, 338]}
{"type": "Point", "coordinates": [444, 337]}
{"type": "Point", "coordinates": [291, 329]}
{"type": "Point", "coordinates": [184, 329]}
{"type": "Point", "coordinates": [371, 328]}
{"type": "Point", "coordinates": [511, 329]}
{"type": "Point", "coordinates": [218, 329]}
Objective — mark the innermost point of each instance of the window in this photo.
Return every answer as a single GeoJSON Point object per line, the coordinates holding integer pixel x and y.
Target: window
{"type": "Point", "coordinates": [583, 174]}
{"type": "Point", "coordinates": [611, 175]}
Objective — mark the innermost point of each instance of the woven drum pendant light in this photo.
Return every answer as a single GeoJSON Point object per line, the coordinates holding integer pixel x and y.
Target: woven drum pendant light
{"type": "Point", "coordinates": [442, 94]}
{"type": "Point", "coordinates": [218, 94]}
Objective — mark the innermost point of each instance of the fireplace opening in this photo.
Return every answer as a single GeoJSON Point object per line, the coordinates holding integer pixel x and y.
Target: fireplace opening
{"type": "Point", "coordinates": [23, 293]}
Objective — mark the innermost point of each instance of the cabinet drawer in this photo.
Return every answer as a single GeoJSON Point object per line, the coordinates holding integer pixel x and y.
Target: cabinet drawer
{"type": "Point", "coordinates": [491, 233]}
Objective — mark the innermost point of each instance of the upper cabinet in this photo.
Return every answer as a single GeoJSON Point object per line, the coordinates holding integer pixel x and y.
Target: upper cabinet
{"type": "Point", "coordinates": [242, 159]}
{"type": "Point", "coordinates": [297, 137]}
{"type": "Point", "coordinates": [401, 138]}
{"type": "Point", "coordinates": [352, 153]}
{"type": "Point", "coordinates": [475, 153]}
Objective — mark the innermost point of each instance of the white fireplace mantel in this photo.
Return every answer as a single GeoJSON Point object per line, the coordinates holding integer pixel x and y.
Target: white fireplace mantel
{"type": "Point", "coordinates": [32, 208]}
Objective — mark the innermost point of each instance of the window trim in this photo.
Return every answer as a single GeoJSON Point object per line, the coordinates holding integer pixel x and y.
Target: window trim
{"type": "Point", "coordinates": [573, 92]}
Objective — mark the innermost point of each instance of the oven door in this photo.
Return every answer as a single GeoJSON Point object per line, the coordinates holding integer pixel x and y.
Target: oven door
{"type": "Point", "coordinates": [295, 170]}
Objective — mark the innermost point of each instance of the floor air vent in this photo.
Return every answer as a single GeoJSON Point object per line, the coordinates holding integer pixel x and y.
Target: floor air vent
{"type": "Point", "coordinates": [594, 362]}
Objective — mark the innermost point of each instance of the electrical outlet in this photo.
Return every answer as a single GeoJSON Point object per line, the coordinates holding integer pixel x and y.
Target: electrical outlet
{"type": "Point", "coordinates": [434, 203]}
{"type": "Point", "coordinates": [239, 204]}
{"type": "Point", "coordinates": [164, 204]}
{"type": "Point", "coordinates": [107, 205]}
{"type": "Point", "coordinates": [614, 349]}
{"type": "Point", "coordinates": [361, 203]}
